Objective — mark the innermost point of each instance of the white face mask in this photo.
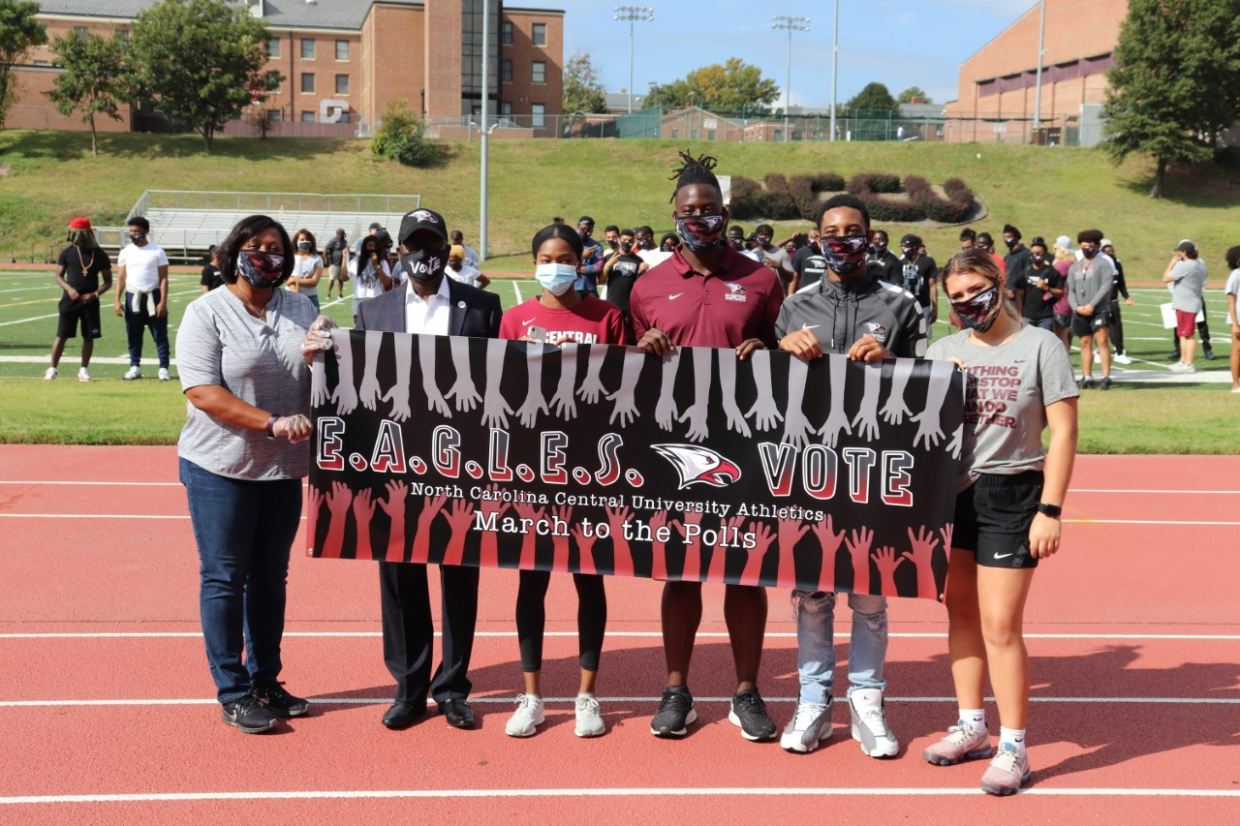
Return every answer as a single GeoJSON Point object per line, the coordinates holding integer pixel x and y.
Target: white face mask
{"type": "Point", "coordinates": [555, 278]}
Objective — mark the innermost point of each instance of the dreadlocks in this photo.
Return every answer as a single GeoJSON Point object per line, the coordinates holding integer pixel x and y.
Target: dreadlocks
{"type": "Point", "coordinates": [694, 171]}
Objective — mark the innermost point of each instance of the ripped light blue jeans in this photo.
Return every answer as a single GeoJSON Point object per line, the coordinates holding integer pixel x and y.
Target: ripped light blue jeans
{"type": "Point", "coordinates": [867, 648]}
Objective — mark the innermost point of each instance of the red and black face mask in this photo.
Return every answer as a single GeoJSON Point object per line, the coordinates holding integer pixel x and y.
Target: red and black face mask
{"type": "Point", "coordinates": [260, 269]}
{"type": "Point", "coordinates": [845, 253]}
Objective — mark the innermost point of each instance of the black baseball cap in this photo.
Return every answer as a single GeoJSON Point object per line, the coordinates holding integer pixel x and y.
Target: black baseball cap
{"type": "Point", "coordinates": [376, 225]}
{"type": "Point", "coordinates": [1186, 246]}
{"type": "Point", "coordinates": [418, 219]}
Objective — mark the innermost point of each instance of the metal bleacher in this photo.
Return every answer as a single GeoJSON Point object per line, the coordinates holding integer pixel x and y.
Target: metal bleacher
{"type": "Point", "coordinates": [186, 223]}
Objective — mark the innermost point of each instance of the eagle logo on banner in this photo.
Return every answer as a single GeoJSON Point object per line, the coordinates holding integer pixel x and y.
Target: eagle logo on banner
{"type": "Point", "coordinates": [699, 465]}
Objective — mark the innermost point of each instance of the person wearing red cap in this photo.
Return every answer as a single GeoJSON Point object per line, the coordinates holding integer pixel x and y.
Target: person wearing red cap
{"type": "Point", "coordinates": [77, 273]}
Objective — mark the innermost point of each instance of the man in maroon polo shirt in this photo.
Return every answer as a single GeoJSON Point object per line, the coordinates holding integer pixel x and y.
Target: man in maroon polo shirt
{"type": "Point", "coordinates": [708, 295]}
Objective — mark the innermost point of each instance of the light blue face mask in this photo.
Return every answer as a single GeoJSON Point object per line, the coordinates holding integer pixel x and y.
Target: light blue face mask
{"type": "Point", "coordinates": [556, 278]}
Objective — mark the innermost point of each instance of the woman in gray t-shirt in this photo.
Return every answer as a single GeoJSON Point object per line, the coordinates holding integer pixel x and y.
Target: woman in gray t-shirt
{"type": "Point", "coordinates": [242, 457]}
{"type": "Point", "coordinates": [1018, 381]}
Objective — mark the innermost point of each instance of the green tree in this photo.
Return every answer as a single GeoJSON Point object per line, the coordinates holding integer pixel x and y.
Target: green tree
{"type": "Point", "coordinates": [93, 79]}
{"type": "Point", "coordinates": [1175, 84]}
{"type": "Point", "coordinates": [730, 87]}
{"type": "Point", "coordinates": [875, 97]}
{"type": "Point", "coordinates": [19, 33]}
{"type": "Point", "coordinates": [583, 91]}
{"type": "Point", "coordinates": [201, 61]}
{"type": "Point", "coordinates": [914, 92]}
{"type": "Point", "coordinates": [402, 137]}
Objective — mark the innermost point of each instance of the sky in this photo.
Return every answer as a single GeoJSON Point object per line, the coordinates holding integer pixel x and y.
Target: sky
{"type": "Point", "coordinates": [900, 43]}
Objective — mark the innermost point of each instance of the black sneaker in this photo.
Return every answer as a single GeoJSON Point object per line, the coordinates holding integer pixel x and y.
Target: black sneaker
{"type": "Point", "coordinates": [1087, 383]}
{"type": "Point", "coordinates": [280, 702]}
{"type": "Point", "coordinates": [1209, 353]}
{"type": "Point", "coordinates": [675, 712]}
{"type": "Point", "coordinates": [1106, 383]}
{"type": "Point", "coordinates": [749, 712]}
{"type": "Point", "coordinates": [249, 715]}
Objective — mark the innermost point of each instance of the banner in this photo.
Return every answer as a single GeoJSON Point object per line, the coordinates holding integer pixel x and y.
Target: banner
{"type": "Point", "coordinates": [829, 475]}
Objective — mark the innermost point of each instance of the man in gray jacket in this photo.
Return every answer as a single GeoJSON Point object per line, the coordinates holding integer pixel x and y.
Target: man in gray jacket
{"type": "Point", "coordinates": [1089, 293]}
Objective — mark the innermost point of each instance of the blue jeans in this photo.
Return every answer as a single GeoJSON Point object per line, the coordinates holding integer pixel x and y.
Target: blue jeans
{"type": "Point", "coordinates": [136, 325]}
{"type": "Point", "coordinates": [867, 648]}
{"type": "Point", "coordinates": [314, 299]}
{"type": "Point", "coordinates": [244, 531]}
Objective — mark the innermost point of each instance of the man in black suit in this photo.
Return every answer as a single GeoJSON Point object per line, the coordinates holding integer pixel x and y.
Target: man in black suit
{"type": "Point", "coordinates": [429, 303]}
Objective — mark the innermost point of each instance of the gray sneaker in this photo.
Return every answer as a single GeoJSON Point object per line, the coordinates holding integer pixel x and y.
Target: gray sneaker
{"type": "Point", "coordinates": [810, 726]}
{"type": "Point", "coordinates": [961, 743]}
{"type": "Point", "coordinates": [869, 724]}
{"type": "Point", "coordinates": [1007, 772]}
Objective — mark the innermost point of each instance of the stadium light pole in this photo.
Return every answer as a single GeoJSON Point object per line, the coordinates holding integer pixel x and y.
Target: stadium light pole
{"type": "Point", "coordinates": [835, 63]}
{"type": "Point", "coordinates": [791, 24]}
{"type": "Point", "coordinates": [1037, 97]}
{"type": "Point", "coordinates": [486, 65]}
{"type": "Point", "coordinates": [632, 14]}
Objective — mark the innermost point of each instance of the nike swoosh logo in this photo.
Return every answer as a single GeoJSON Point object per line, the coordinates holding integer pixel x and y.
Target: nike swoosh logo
{"type": "Point", "coordinates": [529, 322]}
{"type": "Point", "coordinates": [1002, 556]}
{"type": "Point", "coordinates": [674, 297]}
{"type": "Point", "coordinates": [809, 326]}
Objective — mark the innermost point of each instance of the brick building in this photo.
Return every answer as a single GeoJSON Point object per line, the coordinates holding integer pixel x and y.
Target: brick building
{"type": "Point", "coordinates": [999, 81]}
{"type": "Point", "coordinates": [345, 60]}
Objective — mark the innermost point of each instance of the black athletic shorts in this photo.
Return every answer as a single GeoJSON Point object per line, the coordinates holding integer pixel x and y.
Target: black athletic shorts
{"type": "Point", "coordinates": [993, 517]}
{"type": "Point", "coordinates": [1086, 325]}
{"type": "Point", "coordinates": [74, 312]}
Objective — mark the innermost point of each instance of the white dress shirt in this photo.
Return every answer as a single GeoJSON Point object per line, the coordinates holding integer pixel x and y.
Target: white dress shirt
{"type": "Point", "coordinates": [429, 316]}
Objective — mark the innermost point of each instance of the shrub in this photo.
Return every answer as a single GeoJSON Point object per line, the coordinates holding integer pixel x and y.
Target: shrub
{"type": "Point", "coordinates": [746, 198]}
{"type": "Point", "coordinates": [778, 203]}
{"type": "Point", "coordinates": [402, 137]}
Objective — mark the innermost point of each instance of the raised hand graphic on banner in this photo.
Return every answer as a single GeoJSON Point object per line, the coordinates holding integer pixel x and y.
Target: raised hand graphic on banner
{"type": "Point", "coordinates": [765, 538]}
{"type": "Point", "coordinates": [699, 413]}
{"type": "Point", "coordinates": [463, 389]}
{"type": "Point", "coordinates": [946, 532]}
{"type": "Point", "coordinates": [492, 506]}
{"type": "Point", "coordinates": [592, 388]}
{"type": "Point", "coordinates": [314, 504]}
{"type": "Point", "coordinates": [837, 420]}
{"type": "Point", "coordinates": [867, 416]}
{"type": "Point", "coordinates": [363, 512]}
{"type": "Point", "coordinates": [719, 556]}
{"type": "Point", "coordinates": [727, 385]}
{"type": "Point", "coordinates": [953, 447]}
{"type": "Point", "coordinates": [338, 501]}
{"type": "Point", "coordinates": [426, 357]}
{"type": "Point", "coordinates": [431, 506]}
{"type": "Point", "coordinates": [398, 393]}
{"type": "Point", "coordinates": [830, 542]}
{"type": "Point", "coordinates": [790, 533]}
{"type": "Point", "coordinates": [886, 561]}
{"type": "Point", "coordinates": [394, 507]}
{"type": "Point", "coordinates": [923, 543]}
{"type": "Point", "coordinates": [929, 421]}
{"type": "Point", "coordinates": [369, 391]}
{"type": "Point", "coordinates": [622, 553]}
{"type": "Point", "coordinates": [535, 402]}
{"type": "Point", "coordinates": [586, 563]}
{"type": "Point", "coordinates": [319, 393]}
{"type": "Point", "coordinates": [495, 409]}
{"type": "Point", "coordinates": [345, 394]}
{"type": "Point", "coordinates": [895, 409]}
{"type": "Point", "coordinates": [559, 544]}
{"type": "Point", "coordinates": [626, 397]}
{"type": "Point", "coordinates": [797, 428]}
{"type": "Point", "coordinates": [665, 412]}
{"type": "Point", "coordinates": [460, 517]}
{"type": "Point", "coordinates": [765, 413]}
{"type": "Point", "coordinates": [658, 562]}
{"type": "Point", "coordinates": [693, 546]}
{"type": "Point", "coordinates": [529, 542]}
{"type": "Point", "coordinates": [564, 402]}
{"type": "Point", "coordinates": [858, 544]}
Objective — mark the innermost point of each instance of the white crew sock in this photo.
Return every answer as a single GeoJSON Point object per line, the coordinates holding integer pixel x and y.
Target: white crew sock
{"type": "Point", "coordinates": [1014, 736]}
{"type": "Point", "coordinates": [974, 718]}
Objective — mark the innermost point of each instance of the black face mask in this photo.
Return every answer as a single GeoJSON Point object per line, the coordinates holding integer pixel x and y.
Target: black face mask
{"type": "Point", "coordinates": [1037, 259]}
{"type": "Point", "coordinates": [626, 247]}
{"type": "Point", "coordinates": [1089, 252]}
{"type": "Point", "coordinates": [136, 236]}
{"type": "Point", "coordinates": [424, 265]}
{"type": "Point", "coordinates": [1011, 242]}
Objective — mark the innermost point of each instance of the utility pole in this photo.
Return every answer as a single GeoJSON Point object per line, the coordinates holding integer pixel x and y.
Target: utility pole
{"type": "Point", "coordinates": [835, 64]}
{"type": "Point", "coordinates": [1037, 98]}
{"type": "Point", "coordinates": [791, 24]}
{"type": "Point", "coordinates": [486, 66]}
{"type": "Point", "coordinates": [632, 14]}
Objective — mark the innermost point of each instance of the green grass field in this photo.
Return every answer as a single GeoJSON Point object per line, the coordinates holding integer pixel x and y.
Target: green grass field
{"type": "Point", "coordinates": [1137, 416]}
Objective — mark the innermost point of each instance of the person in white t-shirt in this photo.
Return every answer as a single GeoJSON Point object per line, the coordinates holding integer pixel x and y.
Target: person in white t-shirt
{"type": "Point", "coordinates": [307, 267]}
{"type": "Point", "coordinates": [458, 269]}
{"type": "Point", "coordinates": [1232, 289]}
{"type": "Point", "coordinates": [371, 271]}
{"type": "Point", "coordinates": [142, 297]}
{"type": "Point", "coordinates": [471, 254]}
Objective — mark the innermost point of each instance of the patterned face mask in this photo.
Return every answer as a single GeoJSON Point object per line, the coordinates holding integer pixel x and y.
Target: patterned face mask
{"type": "Point", "coordinates": [845, 253]}
{"type": "Point", "coordinates": [260, 269]}
{"type": "Point", "coordinates": [978, 313]}
{"type": "Point", "coordinates": [700, 233]}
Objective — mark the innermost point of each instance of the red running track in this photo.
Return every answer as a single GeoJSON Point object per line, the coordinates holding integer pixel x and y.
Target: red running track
{"type": "Point", "coordinates": [107, 712]}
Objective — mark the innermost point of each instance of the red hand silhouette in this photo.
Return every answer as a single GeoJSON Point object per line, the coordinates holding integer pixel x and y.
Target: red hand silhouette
{"type": "Point", "coordinates": [338, 502]}
{"type": "Point", "coordinates": [859, 549]}
{"type": "Point", "coordinates": [790, 533]}
{"type": "Point", "coordinates": [363, 512]}
{"type": "Point", "coordinates": [394, 507]}
{"type": "Point", "coordinates": [765, 538]}
{"type": "Point", "coordinates": [622, 553]}
{"type": "Point", "coordinates": [693, 547]}
{"type": "Point", "coordinates": [431, 506]}
{"type": "Point", "coordinates": [461, 519]}
{"type": "Point", "coordinates": [559, 559]}
{"type": "Point", "coordinates": [886, 561]}
{"type": "Point", "coordinates": [719, 555]}
{"type": "Point", "coordinates": [923, 543]}
{"type": "Point", "coordinates": [529, 542]}
{"type": "Point", "coordinates": [830, 542]}
{"type": "Point", "coordinates": [585, 549]}
{"type": "Point", "coordinates": [488, 551]}
{"type": "Point", "coordinates": [314, 503]}
{"type": "Point", "coordinates": [658, 563]}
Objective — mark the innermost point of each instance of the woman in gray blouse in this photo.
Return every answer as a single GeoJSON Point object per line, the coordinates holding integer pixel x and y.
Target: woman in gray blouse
{"type": "Point", "coordinates": [242, 456]}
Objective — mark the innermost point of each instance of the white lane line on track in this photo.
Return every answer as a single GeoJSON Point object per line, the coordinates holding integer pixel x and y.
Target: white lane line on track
{"type": "Point", "coordinates": [442, 794]}
{"type": "Point", "coordinates": [843, 635]}
{"type": "Point", "coordinates": [507, 700]}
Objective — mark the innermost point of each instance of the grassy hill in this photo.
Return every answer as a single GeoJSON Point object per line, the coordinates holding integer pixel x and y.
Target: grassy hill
{"type": "Point", "coordinates": [52, 177]}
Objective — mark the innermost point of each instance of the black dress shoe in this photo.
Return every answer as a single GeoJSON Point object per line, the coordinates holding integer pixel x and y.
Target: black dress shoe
{"type": "Point", "coordinates": [402, 715]}
{"type": "Point", "coordinates": [458, 713]}
{"type": "Point", "coordinates": [1210, 354]}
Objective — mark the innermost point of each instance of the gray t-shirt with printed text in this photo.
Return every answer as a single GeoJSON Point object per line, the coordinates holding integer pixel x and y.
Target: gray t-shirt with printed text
{"type": "Point", "coordinates": [1007, 391]}
{"type": "Point", "coordinates": [260, 362]}
{"type": "Point", "coordinates": [1188, 282]}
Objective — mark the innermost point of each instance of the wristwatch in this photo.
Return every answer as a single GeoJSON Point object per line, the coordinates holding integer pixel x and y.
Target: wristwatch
{"type": "Point", "coordinates": [1053, 511]}
{"type": "Point", "coordinates": [271, 424]}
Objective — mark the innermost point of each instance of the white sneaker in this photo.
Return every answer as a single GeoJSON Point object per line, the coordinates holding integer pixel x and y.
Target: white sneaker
{"type": "Point", "coordinates": [132, 373]}
{"type": "Point", "coordinates": [164, 375]}
{"type": "Point", "coordinates": [809, 726]}
{"type": "Point", "coordinates": [50, 373]}
{"type": "Point", "coordinates": [869, 724]}
{"type": "Point", "coordinates": [83, 374]}
{"type": "Point", "coordinates": [1122, 358]}
{"type": "Point", "coordinates": [525, 721]}
{"type": "Point", "coordinates": [589, 721]}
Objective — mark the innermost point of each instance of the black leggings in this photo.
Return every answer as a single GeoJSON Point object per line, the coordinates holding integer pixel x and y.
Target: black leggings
{"type": "Point", "coordinates": [532, 618]}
